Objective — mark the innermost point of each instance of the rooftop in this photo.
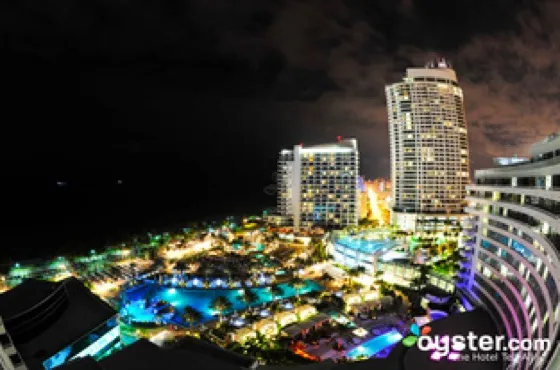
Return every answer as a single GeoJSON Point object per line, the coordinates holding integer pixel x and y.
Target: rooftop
{"type": "Point", "coordinates": [189, 353]}
{"type": "Point", "coordinates": [369, 246]}
{"type": "Point", "coordinates": [294, 329]}
{"type": "Point", "coordinates": [24, 296]}
{"type": "Point", "coordinates": [341, 146]}
{"type": "Point", "coordinates": [445, 73]}
{"type": "Point", "coordinates": [81, 312]}
{"type": "Point", "coordinates": [144, 355]}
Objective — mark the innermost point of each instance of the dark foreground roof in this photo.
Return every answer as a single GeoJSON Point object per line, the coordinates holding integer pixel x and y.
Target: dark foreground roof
{"type": "Point", "coordinates": [85, 363]}
{"type": "Point", "coordinates": [214, 351]}
{"type": "Point", "coordinates": [145, 355]}
{"type": "Point", "coordinates": [195, 354]}
{"type": "Point", "coordinates": [77, 313]}
{"type": "Point", "coordinates": [24, 296]}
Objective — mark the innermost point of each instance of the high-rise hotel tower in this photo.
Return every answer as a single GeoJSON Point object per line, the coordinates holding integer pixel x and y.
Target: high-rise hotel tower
{"type": "Point", "coordinates": [429, 148]}
{"type": "Point", "coordinates": [318, 185]}
{"type": "Point", "coordinates": [512, 264]}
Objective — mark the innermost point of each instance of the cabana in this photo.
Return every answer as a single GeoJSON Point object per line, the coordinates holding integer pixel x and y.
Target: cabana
{"type": "Point", "coordinates": [305, 311]}
{"type": "Point", "coordinates": [352, 299]}
{"type": "Point", "coordinates": [370, 296]}
{"type": "Point", "coordinates": [294, 330]}
{"type": "Point", "coordinates": [241, 335]}
{"type": "Point", "coordinates": [285, 318]}
{"type": "Point", "coordinates": [267, 327]}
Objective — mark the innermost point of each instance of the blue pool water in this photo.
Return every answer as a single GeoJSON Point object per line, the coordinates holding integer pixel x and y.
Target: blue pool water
{"type": "Point", "coordinates": [366, 246]}
{"type": "Point", "coordinates": [200, 299]}
{"type": "Point", "coordinates": [376, 345]}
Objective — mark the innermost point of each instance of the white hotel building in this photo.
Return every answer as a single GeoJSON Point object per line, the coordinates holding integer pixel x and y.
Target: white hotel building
{"type": "Point", "coordinates": [512, 264]}
{"type": "Point", "coordinates": [429, 149]}
{"type": "Point", "coordinates": [318, 185]}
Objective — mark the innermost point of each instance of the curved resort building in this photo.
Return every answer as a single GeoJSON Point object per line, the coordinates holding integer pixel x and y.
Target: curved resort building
{"type": "Point", "coordinates": [429, 149]}
{"type": "Point", "coordinates": [513, 243]}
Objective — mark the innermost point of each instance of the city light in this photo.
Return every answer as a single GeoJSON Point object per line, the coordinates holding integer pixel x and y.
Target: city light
{"type": "Point", "coordinates": [376, 213]}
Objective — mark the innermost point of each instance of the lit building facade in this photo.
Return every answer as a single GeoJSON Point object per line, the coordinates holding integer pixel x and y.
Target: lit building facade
{"type": "Point", "coordinates": [512, 264]}
{"type": "Point", "coordinates": [429, 149]}
{"type": "Point", "coordinates": [318, 185]}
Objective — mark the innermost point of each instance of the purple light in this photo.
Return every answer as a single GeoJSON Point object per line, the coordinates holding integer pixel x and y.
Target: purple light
{"type": "Point", "coordinates": [436, 356]}
{"type": "Point", "coordinates": [454, 356]}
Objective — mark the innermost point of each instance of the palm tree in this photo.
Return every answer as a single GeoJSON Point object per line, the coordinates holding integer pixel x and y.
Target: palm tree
{"type": "Point", "coordinates": [221, 304]}
{"type": "Point", "coordinates": [320, 250]}
{"type": "Point", "coordinates": [355, 272]}
{"type": "Point", "coordinates": [299, 262]}
{"type": "Point", "coordinates": [207, 271]}
{"type": "Point", "coordinates": [326, 278]}
{"type": "Point", "coordinates": [379, 276]}
{"type": "Point", "coordinates": [180, 266]}
{"type": "Point", "coordinates": [191, 315]}
{"type": "Point", "coordinates": [298, 283]}
{"type": "Point", "coordinates": [420, 281]}
{"type": "Point", "coordinates": [248, 297]}
{"type": "Point", "coordinates": [276, 291]}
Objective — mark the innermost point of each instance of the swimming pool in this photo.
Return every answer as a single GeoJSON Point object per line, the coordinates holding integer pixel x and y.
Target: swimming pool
{"type": "Point", "coordinates": [375, 345]}
{"type": "Point", "coordinates": [200, 299]}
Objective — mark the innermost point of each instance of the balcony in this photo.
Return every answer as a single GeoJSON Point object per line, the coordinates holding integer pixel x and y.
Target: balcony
{"type": "Point", "coordinates": [538, 203]}
{"type": "Point", "coordinates": [533, 164]}
{"type": "Point", "coordinates": [554, 239]}
{"type": "Point", "coordinates": [521, 217]}
{"type": "Point", "coordinates": [5, 341]}
{"type": "Point", "coordinates": [465, 263]}
{"type": "Point", "coordinates": [466, 253]}
{"type": "Point", "coordinates": [469, 244]}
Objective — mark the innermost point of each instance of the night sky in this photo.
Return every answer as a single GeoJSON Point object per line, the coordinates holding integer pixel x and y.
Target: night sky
{"type": "Point", "coordinates": [189, 102]}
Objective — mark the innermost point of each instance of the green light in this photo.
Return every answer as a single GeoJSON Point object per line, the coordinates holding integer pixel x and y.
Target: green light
{"type": "Point", "coordinates": [17, 265]}
{"type": "Point", "coordinates": [409, 341]}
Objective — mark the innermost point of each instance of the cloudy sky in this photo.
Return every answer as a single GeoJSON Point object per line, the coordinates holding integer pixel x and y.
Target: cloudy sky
{"type": "Point", "coordinates": [208, 91]}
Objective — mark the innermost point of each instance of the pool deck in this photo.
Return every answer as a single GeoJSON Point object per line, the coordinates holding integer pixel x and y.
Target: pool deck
{"type": "Point", "coordinates": [201, 299]}
{"type": "Point", "coordinates": [324, 349]}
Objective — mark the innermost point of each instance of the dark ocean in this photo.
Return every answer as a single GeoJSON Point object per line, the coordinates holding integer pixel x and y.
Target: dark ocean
{"type": "Point", "coordinates": [45, 217]}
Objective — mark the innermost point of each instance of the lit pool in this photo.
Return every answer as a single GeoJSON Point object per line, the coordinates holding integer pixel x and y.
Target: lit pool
{"type": "Point", "coordinates": [375, 345]}
{"type": "Point", "coordinates": [200, 299]}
